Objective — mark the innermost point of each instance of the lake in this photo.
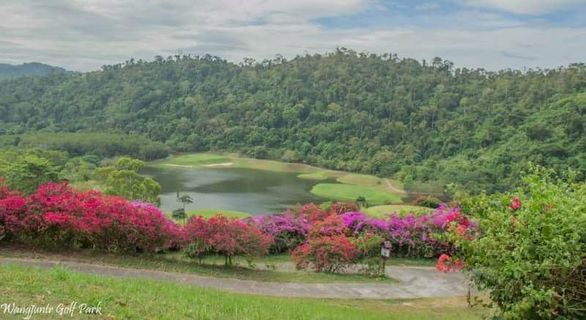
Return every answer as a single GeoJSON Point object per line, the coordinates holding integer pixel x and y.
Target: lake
{"type": "Point", "coordinates": [241, 189]}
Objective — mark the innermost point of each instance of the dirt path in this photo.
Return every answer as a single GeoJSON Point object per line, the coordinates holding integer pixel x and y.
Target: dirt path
{"type": "Point", "coordinates": [392, 188]}
{"type": "Point", "coordinates": [415, 282]}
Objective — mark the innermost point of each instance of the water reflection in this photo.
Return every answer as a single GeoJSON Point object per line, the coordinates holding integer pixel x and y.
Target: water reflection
{"type": "Point", "coordinates": [240, 189]}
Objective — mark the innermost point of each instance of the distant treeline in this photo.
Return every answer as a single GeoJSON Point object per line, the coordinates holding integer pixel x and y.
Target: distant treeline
{"type": "Point", "coordinates": [103, 145]}
{"type": "Point", "coordinates": [424, 122]}
{"type": "Point", "coordinates": [33, 69]}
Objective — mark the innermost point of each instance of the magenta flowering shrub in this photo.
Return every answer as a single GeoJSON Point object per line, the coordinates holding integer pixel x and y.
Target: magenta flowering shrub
{"type": "Point", "coordinates": [56, 215]}
{"type": "Point", "coordinates": [287, 230]}
{"type": "Point", "coordinates": [414, 236]}
{"type": "Point", "coordinates": [225, 236]}
{"type": "Point", "coordinates": [428, 235]}
{"type": "Point", "coordinates": [358, 222]}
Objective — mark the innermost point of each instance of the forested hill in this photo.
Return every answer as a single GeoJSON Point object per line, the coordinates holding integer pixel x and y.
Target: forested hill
{"type": "Point", "coordinates": [8, 71]}
{"type": "Point", "coordinates": [357, 112]}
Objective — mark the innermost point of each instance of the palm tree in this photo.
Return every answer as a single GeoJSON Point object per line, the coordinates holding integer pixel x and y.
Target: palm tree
{"type": "Point", "coordinates": [179, 214]}
{"type": "Point", "coordinates": [184, 199]}
{"type": "Point", "coordinates": [361, 202]}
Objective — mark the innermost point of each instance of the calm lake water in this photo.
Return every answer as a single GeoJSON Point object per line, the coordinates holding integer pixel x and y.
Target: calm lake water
{"type": "Point", "coordinates": [248, 190]}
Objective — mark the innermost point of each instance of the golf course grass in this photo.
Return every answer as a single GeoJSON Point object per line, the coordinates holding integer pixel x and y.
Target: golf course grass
{"type": "Point", "coordinates": [314, 176]}
{"type": "Point", "coordinates": [196, 159]}
{"type": "Point", "coordinates": [349, 192]}
{"type": "Point", "coordinates": [125, 298]}
{"type": "Point", "coordinates": [206, 213]}
{"type": "Point", "coordinates": [384, 210]}
{"type": "Point", "coordinates": [361, 179]}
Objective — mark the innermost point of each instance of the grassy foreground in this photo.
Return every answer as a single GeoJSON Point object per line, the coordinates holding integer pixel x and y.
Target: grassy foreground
{"type": "Point", "coordinates": [265, 268]}
{"type": "Point", "coordinates": [121, 298]}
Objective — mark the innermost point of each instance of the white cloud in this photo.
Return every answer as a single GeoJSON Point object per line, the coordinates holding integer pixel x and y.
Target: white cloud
{"type": "Point", "coordinates": [428, 6]}
{"type": "Point", "coordinates": [85, 34]}
{"type": "Point", "coordinates": [529, 7]}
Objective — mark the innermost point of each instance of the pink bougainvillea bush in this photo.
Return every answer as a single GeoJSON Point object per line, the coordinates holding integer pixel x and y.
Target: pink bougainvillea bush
{"type": "Point", "coordinates": [412, 235]}
{"type": "Point", "coordinates": [288, 230]}
{"type": "Point", "coordinates": [327, 247]}
{"type": "Point", "coordinates": [225, 236]}
{"type": "Point", "coordinates": [323, 239]}
{"type": "Point", "coordinates": [328, 253]}
{"type": "Point", "coordinates": [56, 215]}
{"type": "Point", "coordinates": [319, 247]}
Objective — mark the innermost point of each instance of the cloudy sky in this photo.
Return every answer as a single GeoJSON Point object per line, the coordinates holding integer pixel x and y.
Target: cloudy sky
{"type": "Point", "coordinates": [86, 34]}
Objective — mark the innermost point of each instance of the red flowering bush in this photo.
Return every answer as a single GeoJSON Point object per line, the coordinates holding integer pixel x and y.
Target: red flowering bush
{"type": "Point", "coordinates": [329, 226]}
{"type": "Point", "coordinates": [343, 207]}
{"type": "Point", "coordinates": [330, 253]}
{"type": "Point", "coordinates": [312, 212]}
{"type": "Point", "coordinates": [225, 236]}
{"type": "Point", "coordinates": [446, 263]}
{"type": "Point", "coordinates": [56, 215]}
{"type": "Point", "coordinates": [327, 247]}
{"type": "Point", "coordinates": [515, 204]}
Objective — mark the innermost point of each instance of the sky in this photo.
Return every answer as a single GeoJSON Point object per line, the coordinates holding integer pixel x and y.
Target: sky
{"type": "Point", "coordinates": [84, 35]}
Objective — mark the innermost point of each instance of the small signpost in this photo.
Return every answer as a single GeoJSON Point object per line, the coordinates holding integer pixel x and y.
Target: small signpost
{"type": "Point", "coordinates": [385, 253]}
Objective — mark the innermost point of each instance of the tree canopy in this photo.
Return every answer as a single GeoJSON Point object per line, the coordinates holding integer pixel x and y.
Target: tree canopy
{"type": "Point", "coordinates": [427, 123]}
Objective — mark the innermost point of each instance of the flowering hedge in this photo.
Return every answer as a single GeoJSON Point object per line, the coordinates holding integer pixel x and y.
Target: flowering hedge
{"type": "Point", "coordinates": [331, 238]}
{"type": "Point", "coordinates": [327, 247]}
{"type": "Point", "coordinates": [288, 230]}
{"type": "Point", "coordinates": [225, 236]}
{"type": "Point", "coordinates": [324, 239]}
{"type": "Point", "coordinates": [415, 236]}
{"type": "Point", "coordinates": [329, 253]}
{"type": "Point", "coordinates": [56, 215]}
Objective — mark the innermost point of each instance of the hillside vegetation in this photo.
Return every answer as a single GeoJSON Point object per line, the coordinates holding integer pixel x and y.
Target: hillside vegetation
{"type": "Point", "coordinates": [425, 123]}
{"type": "Point", "coordinates": [8, 71]}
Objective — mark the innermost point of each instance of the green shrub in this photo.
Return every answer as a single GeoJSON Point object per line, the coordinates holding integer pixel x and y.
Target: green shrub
{"type": "Point", "coordinates": [531, 257]}
{"type": "Point", "coordinates": [368, 246]}
{"type": "Point", "coordinates": [427, 201]}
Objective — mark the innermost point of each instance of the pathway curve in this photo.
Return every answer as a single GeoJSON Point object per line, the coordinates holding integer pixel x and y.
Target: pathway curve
{"type": "Point", "coordinates": [414, 282]}
{"type": "Point", "coordinates": [392, 188]}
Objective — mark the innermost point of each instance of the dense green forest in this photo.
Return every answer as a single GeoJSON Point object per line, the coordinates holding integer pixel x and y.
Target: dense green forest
{"type": "Point", "coordinates": [426, 123]}
{"type": "Point", "coordinates": [103, 145]}
{"type": "Point", "coordinates": [8, 71]}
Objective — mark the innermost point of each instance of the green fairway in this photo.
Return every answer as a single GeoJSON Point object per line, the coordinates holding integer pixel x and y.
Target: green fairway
{"type": "Point", "coordinates": [320, 175]}
{"type": "Point", "coordinates": [195, 159]}
{"type": "Point", "coordinates": [385, 210]}
{"type": "Point", "coordinates": [125, 298]}
{"type": "Point", "coordinates": [349, 192]}
{"type": "Point", "coordinates": [361, 179]}
{"type": "Point", "coordinates": [206, 213]}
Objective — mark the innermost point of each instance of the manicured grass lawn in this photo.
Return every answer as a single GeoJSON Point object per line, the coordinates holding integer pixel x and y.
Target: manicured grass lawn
{"type": "Point", "coordinates": [384, 211]}
{"type": "Point", "coordinates": [348, 192]}
{"type": "Point", "coordinates": [123, 298]}
{"type": "Point", "coordinates": [361, 179]}
{"type": "Point", "coordinates": [206, 213]}
{"type": "Point", "coordinates": [197, 159]}
{"type": "Point", "coordinates": [320, 175]}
